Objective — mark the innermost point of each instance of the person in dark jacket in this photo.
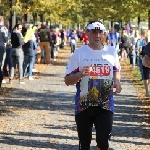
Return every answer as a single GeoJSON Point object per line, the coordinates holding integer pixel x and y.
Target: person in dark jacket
{"type": "Point", "coordinates": [146, 58]}
{"type": "Point", "coordinates": [44, 34]}
{"type": "Point", "coordinates": [3, 41]}
{"type": "Point", "coordinates": [17, 55]}
{"type": "Point", "coordinates": [53, 42]}
{"type": "Point", "coordinates": [124, 46]}
{"type": "Point", "coordinates": [7, 62]}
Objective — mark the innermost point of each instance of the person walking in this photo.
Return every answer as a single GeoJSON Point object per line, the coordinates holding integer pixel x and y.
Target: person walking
{"type": "Point", "coordinates": [142, 43]}
{"type": "Point", "coordinates": [113, 38]}
{"type": "Point", "coordinates": [17, 55]}
{"type": "Point", "coordinates": [124, 46]}
{"type": "Point", "coordinates": [146, 58]}
{"type": "Point", "coordinates": [145, 70]}
{"type": "Point", "coordinates": [84, 38]}
{"type": "Point", "coordinates": [132, 54]}
{"type": "Point", "coordinates": [95, 70]}
{"type": "Point", "coordinates": [72, 39]}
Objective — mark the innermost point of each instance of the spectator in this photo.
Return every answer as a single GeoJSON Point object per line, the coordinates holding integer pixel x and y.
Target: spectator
{"type": "Point", "coordinates": [7, 63]}
{"type": "Point", "coordinates": [44, 34]}
{"type": "Point", "coordinates": [146, 58]}
{"type": "Point", "coordinates": [3, 41]}
{"type": "Point", "coordinates": [53, 42]}
{"type": "Point", "coordinates": [145, 71]}
{"type": "Point", "coordinates": [142, 43]}
{"type": "Point", "coordinates": [132, 48]}
{"type": "Point", "coordinates": [62, 38]}
{"type": "Point", "coordinates": [17, 55]}
{"type": "Point", "coordinates": [29, 54]}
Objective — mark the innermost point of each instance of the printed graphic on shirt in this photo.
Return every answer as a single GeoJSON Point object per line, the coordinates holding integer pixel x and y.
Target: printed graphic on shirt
{"type": "Point", "coordinates": [96, 88]}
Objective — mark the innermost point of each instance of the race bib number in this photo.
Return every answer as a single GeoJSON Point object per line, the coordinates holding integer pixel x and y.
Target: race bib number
{"type": "Point", "coordinates": [100, 72]}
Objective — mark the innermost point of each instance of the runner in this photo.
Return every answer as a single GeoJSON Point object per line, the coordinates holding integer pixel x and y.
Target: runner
{"type": "Point", "coordinates": [95, 70]}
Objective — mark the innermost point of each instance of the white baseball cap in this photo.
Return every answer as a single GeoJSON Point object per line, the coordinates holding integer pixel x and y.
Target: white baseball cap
{"type": "Point", "coordinates": [96, 26]}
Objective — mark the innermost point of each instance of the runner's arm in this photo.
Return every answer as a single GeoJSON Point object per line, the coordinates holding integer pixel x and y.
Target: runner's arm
{"type": "Point", "coordinates": [73, 78]}
{"type": "Point", "coordinates": [117, 77]}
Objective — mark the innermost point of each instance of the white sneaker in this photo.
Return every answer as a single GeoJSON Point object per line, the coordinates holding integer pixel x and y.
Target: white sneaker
{"type": "Point", "coordinates": [34, 70]}
{"type": "Point", "coordinates": [31, 78]}
{"type": "Point", "coordinates": [22, 82]}
{"type": "Point", "coordinates": [3, 81]}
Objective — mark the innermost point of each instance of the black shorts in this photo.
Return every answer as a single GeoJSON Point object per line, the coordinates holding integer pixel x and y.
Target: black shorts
{"type": "Point", "coordinates": [146, 72]}
{"type": "Point", "coordinates": [125, 48]}
{"type": "Point", "coordinates": [102, 119]}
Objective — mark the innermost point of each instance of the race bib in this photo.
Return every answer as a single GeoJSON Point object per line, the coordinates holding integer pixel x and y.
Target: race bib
{"type": "Point", "coordinates": [102, 71]}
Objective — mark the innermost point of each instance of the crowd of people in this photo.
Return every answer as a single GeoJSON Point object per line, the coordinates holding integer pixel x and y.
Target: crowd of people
{"type": "Point", "coordinates": [25, 45]}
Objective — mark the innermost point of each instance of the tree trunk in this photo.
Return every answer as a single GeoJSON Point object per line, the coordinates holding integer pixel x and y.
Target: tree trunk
{"type": "Point", "coordinates": [111, 23]}
{"type": "Point", "coordinates": [149, 19]}
{"type": "Point", "coordinates": [13, 19]}
{"type": "Point", "coordinates": [139, 19]}
{"type": "Point", "coordinates": [10, 21]}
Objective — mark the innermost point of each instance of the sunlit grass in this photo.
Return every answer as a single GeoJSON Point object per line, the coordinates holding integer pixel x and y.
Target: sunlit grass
{"type": "Point", "coordinates": [137, 77]}
{"type": "Point", "coordinates": [136, 73]}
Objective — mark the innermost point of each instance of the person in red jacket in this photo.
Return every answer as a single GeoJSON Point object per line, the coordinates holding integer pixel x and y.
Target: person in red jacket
{"type": "Point", "coordinates": [85, 38]}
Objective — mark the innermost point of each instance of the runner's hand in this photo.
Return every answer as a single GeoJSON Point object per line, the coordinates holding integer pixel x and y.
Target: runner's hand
{"type": "Point", "coordinates": [86, 71]}
{"type": "Point", "coordinates": [117, 87]}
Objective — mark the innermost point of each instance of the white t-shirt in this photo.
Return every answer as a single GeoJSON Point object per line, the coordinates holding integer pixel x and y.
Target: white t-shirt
{"type": "Point", "coordinates": [104, 62]}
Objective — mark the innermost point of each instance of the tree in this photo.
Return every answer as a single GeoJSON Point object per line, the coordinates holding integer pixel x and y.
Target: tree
{"type": "Point", "coordinates": [81, 11]}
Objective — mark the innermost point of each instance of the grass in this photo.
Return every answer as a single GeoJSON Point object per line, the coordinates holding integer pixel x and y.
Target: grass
{"type": "Point", "coordinates": [136, 73]}
{"type": "Point", "coordinates": [137, 77]}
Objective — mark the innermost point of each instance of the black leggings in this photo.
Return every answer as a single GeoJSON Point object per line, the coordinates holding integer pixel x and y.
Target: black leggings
{"type": "Point", "coordinates": [102, 119]}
